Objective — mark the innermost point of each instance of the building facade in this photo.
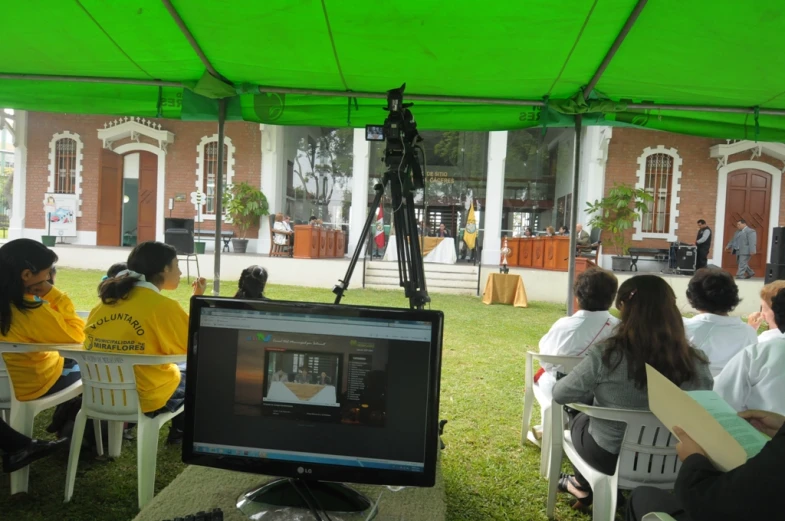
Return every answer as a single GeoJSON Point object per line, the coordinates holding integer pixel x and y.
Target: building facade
{"type": "Point", "coordinates": [128, 174]}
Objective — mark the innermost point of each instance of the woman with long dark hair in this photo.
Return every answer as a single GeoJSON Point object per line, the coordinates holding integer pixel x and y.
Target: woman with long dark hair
{"type": "Point", "coordinates": [253, 279]}
{"type": "Point", "coordinates": [33, 311]}
{"type": "Point", "coordinates": [135, 318]}
{"type": "Point", "coordinates": [613, 373]}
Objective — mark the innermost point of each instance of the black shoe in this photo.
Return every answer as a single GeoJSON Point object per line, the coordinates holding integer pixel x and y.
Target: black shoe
{"type": "Point", "coordinates": [13, 461]}
{"type": "Point", "coordinates": [175, 437]}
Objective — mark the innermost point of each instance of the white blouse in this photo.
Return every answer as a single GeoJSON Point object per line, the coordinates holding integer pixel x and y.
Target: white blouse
{"type": "Point", "coordinates": [719, 337]}
{"type": "Point", "coordinates": [755, 378]}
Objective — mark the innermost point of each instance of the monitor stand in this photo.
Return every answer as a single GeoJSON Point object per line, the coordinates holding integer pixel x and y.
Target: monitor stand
{"type": "Point", "coordinates": [292, 499]}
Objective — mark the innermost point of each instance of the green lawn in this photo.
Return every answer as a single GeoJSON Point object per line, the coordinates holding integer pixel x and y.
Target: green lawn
{"type": "Point", "coordinates": [488, 474]}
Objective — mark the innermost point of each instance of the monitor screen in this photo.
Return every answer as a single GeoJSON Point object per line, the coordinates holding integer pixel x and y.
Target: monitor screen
{"type": "Point", "coordinates": [335, 393]}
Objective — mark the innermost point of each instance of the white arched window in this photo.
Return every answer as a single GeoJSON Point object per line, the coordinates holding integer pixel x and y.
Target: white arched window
{"type": "Point", "coordinates": [65, 165]}
{"type": "Point", "coordinates": [207, 170]}
{"type": "Point", "coordinates": [659, 173]}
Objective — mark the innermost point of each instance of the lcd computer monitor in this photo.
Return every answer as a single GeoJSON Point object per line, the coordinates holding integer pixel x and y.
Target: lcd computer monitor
{"type": "Point", "coordinates": [315, 392]}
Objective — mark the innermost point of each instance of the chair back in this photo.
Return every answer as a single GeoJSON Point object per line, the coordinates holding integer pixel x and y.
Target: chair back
{"type": "Point", "coordinates": [648, 452]}
{"type": "Point", "coordinates": [594, 236]}
{"type": "Point", "coordinates": [109, 382]}
{"type": "Point", "coordinates": [567, 364]}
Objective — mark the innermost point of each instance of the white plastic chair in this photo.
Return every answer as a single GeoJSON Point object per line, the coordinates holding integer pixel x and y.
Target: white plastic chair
{"type": "Point", "coordinates": [83, 314]}
{"type": "Point", "coordinates": [22, 414]}
{"type": "Point", "coordinates": [648, 457]}
{"type": "Point", "coordinates": [567, 363]}
{"type": "Point", "coordinates": [657, 516]}
{"type": "Point", "coordinates": [110, 394]}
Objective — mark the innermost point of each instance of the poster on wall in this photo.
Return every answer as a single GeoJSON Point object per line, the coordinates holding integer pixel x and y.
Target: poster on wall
{"type": "Point", "coordinates": [61, 210]}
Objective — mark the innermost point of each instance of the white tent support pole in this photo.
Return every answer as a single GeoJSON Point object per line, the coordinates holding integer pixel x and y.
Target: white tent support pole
{"type": "Point", "coordinates": [90, 79]}
{"type": "Point", "coordinates": [615, 47]}
{"type": "Point", "coordinates": [218, 204]}
{"type": "Point", "coordinates": [576, 174]}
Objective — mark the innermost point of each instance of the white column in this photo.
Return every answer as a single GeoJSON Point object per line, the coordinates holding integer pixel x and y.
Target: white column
{"type": "Point", "coordinates": [273, 179]}
{"type": "Point", "coordinates": [594, 155]}
{"type": "Point", "coordinates": [494, 194]}
{"type": "Point", "coordinates": [17, 221]}
{"type": "Point", "coordinates": [360, 167]}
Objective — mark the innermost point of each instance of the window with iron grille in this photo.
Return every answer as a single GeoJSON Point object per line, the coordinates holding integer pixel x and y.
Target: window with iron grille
{"type": "Point", "coordinates": [658, 183]}
{"type": "Point", "coordinates": [65, 166]}
{"type": "Point", "coordinates": [659, 174]}
{"type": "Point", "coordinates": [210, 174]}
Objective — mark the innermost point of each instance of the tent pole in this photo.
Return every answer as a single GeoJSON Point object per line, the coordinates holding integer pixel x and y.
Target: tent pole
{"type": "Point", "coordinates": [219, 190]}
{"type": "Point", "coordinates": [576, 174]}
{"type": "Point", "coordinates": [707, 108]}
{"type": "Point", "coordinates": [90, 79]}
{"type": "Point", "coordinates": [409, 97]}
{"type": "Point", "coordinates": [191, 40]}
{"type": "Point", "coordinates": [615, 47]}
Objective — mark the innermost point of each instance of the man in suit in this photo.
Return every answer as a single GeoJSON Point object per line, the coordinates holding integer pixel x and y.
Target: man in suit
{"type": "Point", "coordinates": [442, 231]}
{"type": "Point", "coordinates": [743, 245]}
{"type": "Point", "coordinates": [582, 236]}
{"type": "Point", "coordinates": [703, 242]}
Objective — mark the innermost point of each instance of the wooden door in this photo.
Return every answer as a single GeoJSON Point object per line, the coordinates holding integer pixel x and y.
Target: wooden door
{"type": "Point", "coordinates": [749, 198]}
{"type": "Point", "coordinates": [148, 197]}
{"type": "Point", "coordinates": [110, 199]}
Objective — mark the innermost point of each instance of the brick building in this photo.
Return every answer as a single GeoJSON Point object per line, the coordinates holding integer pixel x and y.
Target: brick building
{"type": "Point", "coordinates": [695, 178]}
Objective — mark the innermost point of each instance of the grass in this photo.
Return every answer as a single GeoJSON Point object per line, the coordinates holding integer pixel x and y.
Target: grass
{"type": "Point", "coordinates": [489, 475]}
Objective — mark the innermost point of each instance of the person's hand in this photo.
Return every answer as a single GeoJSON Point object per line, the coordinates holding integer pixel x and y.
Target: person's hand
{"type": "Point", "coordinates": [686, 446]}
{"type": "Point", "coordinates": [41, 289]}
{"type": "Point", "coordinates": [766, 422]}
{"type": "Point", "coordinates": [755, 320]}
{"type": "Point", "coordinates": [199, 285]}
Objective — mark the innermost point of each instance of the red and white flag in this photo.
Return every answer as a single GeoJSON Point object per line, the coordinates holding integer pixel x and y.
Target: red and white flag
{"type": "Point", "coordinates": [379, 238]}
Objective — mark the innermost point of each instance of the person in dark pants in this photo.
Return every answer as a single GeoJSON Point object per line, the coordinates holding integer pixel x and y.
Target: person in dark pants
{"type": "Point", "coordinates": [704, 493]}
{"type": "Point", "coordinates": [19, 451]}
{"type": "Point", "coordinates": [703, 242]}
{"type": "Point", "coordinates": [613, 374]}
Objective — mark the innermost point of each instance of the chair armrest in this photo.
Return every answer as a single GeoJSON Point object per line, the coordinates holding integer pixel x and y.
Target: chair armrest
{"type": "Point", "coordinates": [657, 516]}
{"type": "Point", "coordinates": [607, 413]}
{"type": "Point", "coordinates": [18, 347]}
{"type": "Point", "coordinates": [570, 361]}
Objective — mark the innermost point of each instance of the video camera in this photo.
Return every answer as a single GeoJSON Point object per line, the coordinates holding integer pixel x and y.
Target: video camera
{"type": "Point", "coordinates": [400, 133]}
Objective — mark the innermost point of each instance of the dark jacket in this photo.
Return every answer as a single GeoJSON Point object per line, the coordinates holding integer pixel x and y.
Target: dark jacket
{"type": "Point", "coordinates": [748, 492]}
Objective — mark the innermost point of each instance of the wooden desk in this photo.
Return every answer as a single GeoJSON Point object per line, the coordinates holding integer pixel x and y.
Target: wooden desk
{"type": "Point", "coordinates": [306, 242]}
{"type": "Point", "coordinates": [330, 249]}
{"type": "Point", "coordinates": [514, 244]}
{"type": "Point", "coordinates": [340, 243]}
{"type": "Point", "coordinates": [538, 252]}
{"type": "Point", "coordinates": [557, 253]}
{"type": "Point", "coordinates": [322, 242]}
{"type": "Point", "coordinates": [525, 252]}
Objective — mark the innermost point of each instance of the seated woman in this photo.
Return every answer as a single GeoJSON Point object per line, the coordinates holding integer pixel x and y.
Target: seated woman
{"type": "Point", "coordinates": [549, 231]}
{"type": "Point", "coordinates": [765, 317]}
{"type": "Point", "coordinates": [528, 232]}
{"type": "Point", "coordinates": [114, 269]}
{"type": "Point", "coordinates": [613, 373]}
{"type": "Point", "coordinates": [33, 311]}
{"type": "Point", "coordinates": [157, 325]}
{"type": "Point", "coordinates": [281, 234]}
{"type": "Point", "coordinates": [705, 493]}
{"type": "Point", "coordinates": [253, 279]}
{"type": "Point", "coordinates": [573, 336]}
{"type": "Point", "coordinates": [714, 294]}
{"type": "Point", "coordinates": [755, 377]}
{"type": "Point", "coordinates": [563, 231]}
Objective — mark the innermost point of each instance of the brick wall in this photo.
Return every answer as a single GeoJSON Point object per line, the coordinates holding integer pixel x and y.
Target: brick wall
{"type": "Point", "coordinates": [181, 161]}
{"type": "Point", "coordinates": [698, 195]}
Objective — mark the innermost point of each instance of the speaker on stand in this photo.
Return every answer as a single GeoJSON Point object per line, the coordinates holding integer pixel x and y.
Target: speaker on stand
{"type": "Point", "coordinates": [775, 269]}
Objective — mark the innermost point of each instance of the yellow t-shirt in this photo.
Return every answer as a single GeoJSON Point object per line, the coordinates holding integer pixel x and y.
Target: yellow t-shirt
{"type": "Point", "coordinates": [146, 323]}
{"type": "Point", "coordinates": [54, 322]}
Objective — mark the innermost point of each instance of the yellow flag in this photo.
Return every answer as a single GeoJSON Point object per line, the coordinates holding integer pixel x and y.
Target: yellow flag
{"type": "Point", "coordinates": [470, 233]}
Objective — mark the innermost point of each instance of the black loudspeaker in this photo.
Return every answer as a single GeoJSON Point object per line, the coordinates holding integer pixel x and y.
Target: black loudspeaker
{"type": "Point", "coordinates": [774, 272]}
{"type": "Point", "coordinates": [686, 258]}
{"type": "Point", "coordinates": [777, 245]}
{"type": "Point", "coordinates": [175, 222]}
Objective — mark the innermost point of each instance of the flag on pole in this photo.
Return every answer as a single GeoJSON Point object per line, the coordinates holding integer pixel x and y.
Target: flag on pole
{"type": "Point", "coordinates": [470, 234]}
{"type": "Point", "coordinates": [379, 238]}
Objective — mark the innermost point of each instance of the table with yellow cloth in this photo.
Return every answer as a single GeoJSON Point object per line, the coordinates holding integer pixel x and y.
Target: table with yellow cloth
{"type": "Point", "coordinates": [440, 250]}
{"type": "Point", "coordinates": [503, 288]}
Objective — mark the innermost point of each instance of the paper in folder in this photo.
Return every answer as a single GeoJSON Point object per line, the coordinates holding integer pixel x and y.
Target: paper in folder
{"type": "Point", "coordinates": [727, 439]}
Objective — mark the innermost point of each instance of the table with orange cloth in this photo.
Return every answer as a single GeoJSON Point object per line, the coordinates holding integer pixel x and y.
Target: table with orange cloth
{"type": "Point", "coordinates": [503, 288]}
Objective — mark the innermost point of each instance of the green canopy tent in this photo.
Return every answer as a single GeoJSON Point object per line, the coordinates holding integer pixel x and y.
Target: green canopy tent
{"type": "Point", "coordinates": [701, 68]}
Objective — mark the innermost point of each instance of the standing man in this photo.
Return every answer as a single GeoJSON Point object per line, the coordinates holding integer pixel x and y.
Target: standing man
{"type": "Point", "coordinates": [703, 242]}
{"type": "Point", "coordinates": [743, 245]}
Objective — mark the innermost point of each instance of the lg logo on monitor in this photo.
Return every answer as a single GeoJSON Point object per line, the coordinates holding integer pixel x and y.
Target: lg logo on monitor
{"type": "Point", "coordinates": [301, 470]}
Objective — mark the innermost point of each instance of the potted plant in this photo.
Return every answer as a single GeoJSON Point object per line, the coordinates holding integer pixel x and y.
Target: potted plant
{"type": "Point", "coordinates": [616, 213]}
{"type": "Point", "coordinates": [49, 240]}
{"type": "Point", "coordinates": [244, 205]}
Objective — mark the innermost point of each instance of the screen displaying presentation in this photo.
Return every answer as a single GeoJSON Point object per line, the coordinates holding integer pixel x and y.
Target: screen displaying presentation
{"type": "Point", "coordinates": [313, 388]}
